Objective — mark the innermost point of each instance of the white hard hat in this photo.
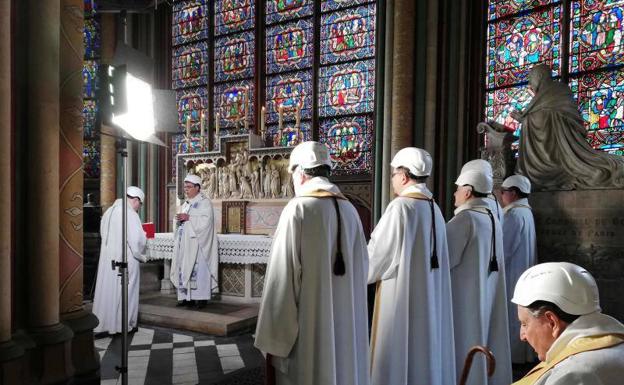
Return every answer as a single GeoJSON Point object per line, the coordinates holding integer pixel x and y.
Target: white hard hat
{"type": "Point", "coordinates": [521, 182]}
{"type": "Point", "coordinates": [192, 178]}
{"type": "Point", "coordinates": [416, 160]}
{"type": "Point", "coordinates": [567, 285]}
{"type": "Point", "coordinates": [479, 181]}
{"type": "Point", "coordinates": [478, 165]}
{"type": "Point", "coordinates": [135, 192]}
{"type": "Point", "coordinates": [308, 155]}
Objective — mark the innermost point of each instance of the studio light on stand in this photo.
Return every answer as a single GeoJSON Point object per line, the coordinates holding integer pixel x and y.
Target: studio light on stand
{"type": "Point", "coordinates": [128, 106]}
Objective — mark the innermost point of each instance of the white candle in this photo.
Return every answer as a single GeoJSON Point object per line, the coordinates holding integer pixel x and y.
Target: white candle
{"type": "Point", "coordinates": [188, 125]}
{"type": "Point", "coordinates": [217, 117]}
{"type": "Point", "coordinates": [281, 116]}
{"type": "Point", "coordinates": [262, 120]}
{"type": "Point", "coordinates": [201, 125]}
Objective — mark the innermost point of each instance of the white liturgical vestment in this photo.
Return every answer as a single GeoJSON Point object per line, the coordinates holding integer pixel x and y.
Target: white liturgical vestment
{"type": "Point", "coordinates": [412, 332]}
{"type": "Point", "coordinates": [479, 297]}
{"type": "Point", "coordinates": [591, 364]}
{"type": "Point", "coordinates": [312, 321]}
{"type": "Point", "coordinates": [496, 208]}
{"type": "Point", "coordinates": [195, 262]}
{"type": "Point", "coordinates": [520, 254]}
{"type": "Point", "coordinates": [107, 299]}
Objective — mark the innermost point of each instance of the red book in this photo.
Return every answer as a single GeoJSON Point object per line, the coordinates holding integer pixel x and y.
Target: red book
{"type": "Point", "coordinates": [149, 229]}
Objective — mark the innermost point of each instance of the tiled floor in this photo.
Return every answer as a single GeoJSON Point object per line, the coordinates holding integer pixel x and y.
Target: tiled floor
{"type": "Point", "coordinates": [165, 356]}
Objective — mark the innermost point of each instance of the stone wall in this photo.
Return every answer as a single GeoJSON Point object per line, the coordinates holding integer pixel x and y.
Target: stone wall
{"type": "Point", "coordinates": [586, 228]}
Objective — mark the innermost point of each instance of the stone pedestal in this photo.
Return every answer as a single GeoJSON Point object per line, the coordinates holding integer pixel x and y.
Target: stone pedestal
{"type": "Point", "coordinates": [587, 228]}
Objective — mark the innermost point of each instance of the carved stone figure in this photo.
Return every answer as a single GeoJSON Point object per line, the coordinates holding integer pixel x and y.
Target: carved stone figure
{"type": "Point", "coordinates": [224, 186]}
{"type": "Point", "coordinates": [288, 190]}
{"type": "Point", "coordinates": [245, 188]}
{"type": "Point", "coordinates": [267, 181]}
{"type": "Point", "coordinates": [554, 153]}
{"type": "Point", "coordinates": [276, 184]}
{"type": "Point", "coordinates": [255, 183]}
{"type": "Point", "coordinates": [233, 183]}
{"type": "Point", "coordinates": [211, 188]}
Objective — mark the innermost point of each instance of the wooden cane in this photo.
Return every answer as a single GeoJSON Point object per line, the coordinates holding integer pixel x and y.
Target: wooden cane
{"type": "Point", "coordinates": [269, 378]}
{"type": "Point", "coordinates": [489, 357]}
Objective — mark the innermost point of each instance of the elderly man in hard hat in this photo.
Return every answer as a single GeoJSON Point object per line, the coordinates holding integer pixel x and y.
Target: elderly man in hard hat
{"type": "Point", "coordinates": [560, 317]}
{"type": "Point", "coordinates": [478, 278]}
{"type": "Point", "coordinates": [485, 167]}
{"type": "Point", "coordinates": [313, 316]}
{"type": "Point", "coordinates": [107, 300]}
{"type": "Point", "coordinates": [195, 262]}
{"type": "Point", "coordinates": [520, 251]}
{"type": "Point", "coordinates": [412, 333]}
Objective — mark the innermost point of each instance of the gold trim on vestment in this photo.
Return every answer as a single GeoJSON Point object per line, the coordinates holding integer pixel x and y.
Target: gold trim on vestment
{"type": "Point", "coordinates": [580, 345]}
{"type": "Point", "coordinates": [376, 311]}
{"type": "Point", "coordinates": [323, 194]}
{"type": "Point", "coordinates": [416, 195]}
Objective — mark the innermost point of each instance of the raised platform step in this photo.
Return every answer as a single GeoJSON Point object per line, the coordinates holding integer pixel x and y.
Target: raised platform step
{"type": "Point", "coordinates": [217, 318]}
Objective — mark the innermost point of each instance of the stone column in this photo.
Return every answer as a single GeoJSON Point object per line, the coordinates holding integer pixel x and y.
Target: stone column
{"type": "Point", "coordinates": [403, 74]}
{"type": "Point", "coordinates": [9, 351]}
{"type": "Point", "coordinates": [71, 191]}
{"type": "Point", "coordinates": [108, 155]}
{"type": "Point", "coordinates": [52, 354]}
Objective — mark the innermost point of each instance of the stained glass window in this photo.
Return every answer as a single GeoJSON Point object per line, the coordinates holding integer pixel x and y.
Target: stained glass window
{"type": "Point", "coordinates": [90, 80]}
{"type": "Point", "coordinates": [595, 58]}
{"type": "Point", "coordinates": [502, 8]}
{"type": "Point", "coordinates": [91, 158]}
{"type": "Point", "coordinates": [234, 56]}
{"type": "Point", "coordinates": [280, 78]}
{"type": "Point", "coordinates": [91, 38]}
{"type": "Point", "coordinates": [234, 15]}
{"type": "Point", "coordinates": [89, 115]}
{"type": "Point", "coordinates": [191, 103]}
{"type": "Point", "coordinates": [282, 10]}
{"type": "Point", "coordinates": [350, 143]}
{"type": "Point", "coordinates": [90, 84]}
{"type": "Point", "coordinates": [601, 102]}
{"type": "Point", "coordinates": [332, 5]}
{"type": "Point", "coordinates": [515, 45]}
{"type": "Point", "coordinates": [348, 35]}
{"type": "Point", "coordinates": [189, 21]}
{"type": "Point", "coordinates": [234, 102]}
{"type": "Point", "coordinates": [289, 134]}
{"type": "Point", "coordinates": [289, 46]}
{"type": "Point", "coordinates": [179, 145]}
{"type": "Point", "coordinates": [596, 34]}
{"type": "Point", "coordinates": [347, 88]}
{"type": "Point", "coordinates": [190, 65]}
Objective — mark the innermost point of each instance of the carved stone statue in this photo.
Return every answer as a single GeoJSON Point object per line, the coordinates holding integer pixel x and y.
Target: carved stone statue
{"type": "Point", "coordinates": [288, 190]}
{"type": "Point", "coordinates": [266, 185]}
{"type": "Point", "coordinates": [255, 183]}
{"type": "Point", "coordinates": [554, 153]}
{"type": "Point", "coordinates": [276, 184]}
{"type": "Point", "coordinates": [245, 188]}
{"type": "Point", "coordinates": [234, 193]}
{"type": "Point", "coordinates": [224, 186]}
{"type": "Point", "coordinates": [497, 149]}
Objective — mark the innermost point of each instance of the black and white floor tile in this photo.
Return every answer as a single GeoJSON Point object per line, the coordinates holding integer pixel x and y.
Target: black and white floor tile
{"type": "Point", "coordinates": [164, 356]}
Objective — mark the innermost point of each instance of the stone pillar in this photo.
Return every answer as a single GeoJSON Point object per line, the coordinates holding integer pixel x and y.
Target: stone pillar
{"type": "Point", "coordinates": [52, 354]}
{"type": "Point", "coordinates": [403, 74]}
{"type": "Point", "coordinates": [10, 353]}
{"type": "Point", "coordinates": [108, 155]}
{"type": "Point", "coordinates": [71, 192]}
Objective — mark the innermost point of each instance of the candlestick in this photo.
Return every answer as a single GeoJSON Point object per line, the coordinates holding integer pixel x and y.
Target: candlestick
{"type": "Point", "coordinates": [188, 125]}
{"type": "Point", "coordinates": [217, 123]}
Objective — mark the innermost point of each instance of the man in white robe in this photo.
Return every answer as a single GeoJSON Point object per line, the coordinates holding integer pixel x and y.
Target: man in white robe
{"type": "Point", "coordinates": [313, 316]}
{"type": "Point", "coordinates": [412, 333]}
{"type": "Point", "coordinates": [195, 262]}
{"type": "Point", "coordinates": [107, 300]}
{"type": "Point", "coordinates": [520, 252]}
{"type": "Point", "coordinates": [478, 280]}
{"type": "Point", "coordinates": [485, 167]}
{"type": "Point", "coordinates": [559, 309]}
